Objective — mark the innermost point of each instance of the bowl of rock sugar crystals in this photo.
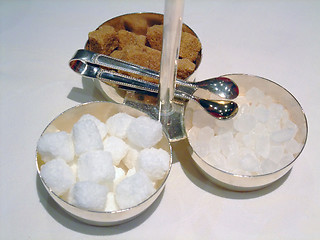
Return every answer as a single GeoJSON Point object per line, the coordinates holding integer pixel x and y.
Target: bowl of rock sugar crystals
{"type": "Point", "coordinates": [255, 148]}
{"type": "Point", "coordinates": [104, 163]}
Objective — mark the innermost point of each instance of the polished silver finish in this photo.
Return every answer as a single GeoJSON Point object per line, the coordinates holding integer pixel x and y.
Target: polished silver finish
{"type": "Point", "coordinates": [220, 86]}
{"type": "Point", "coordinates": [216, 108]}
{"type": "Point", "coordinates": [220, 109]}
{"type": "Point", "coordinates": [253, 182]}
{"type": "Point", "coordinates": [101, 110]}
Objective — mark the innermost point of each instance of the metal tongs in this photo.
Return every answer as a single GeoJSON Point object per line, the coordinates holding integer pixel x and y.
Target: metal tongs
{"type": "Point", "coordinates": [90, 64]}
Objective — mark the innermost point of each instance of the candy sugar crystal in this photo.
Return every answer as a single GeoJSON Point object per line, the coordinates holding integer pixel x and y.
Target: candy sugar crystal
{"type": "Point", "coordinates": [258, 140]}
{"type": "Point", "coordinates": [56, 145]}
{"type": "Point", "coordinates": [58, 176]}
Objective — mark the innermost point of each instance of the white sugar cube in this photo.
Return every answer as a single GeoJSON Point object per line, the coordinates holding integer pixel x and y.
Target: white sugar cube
{"type": "Point", "coordinates": [111, 203]}
{"type": "Point", "coordinates": [154, 162]}
{"type": "Point", "coordinates": [117, 147]}
{"type": "Point", "coordinates": [100, 125]}
{"type": "Point", "coordinates": [56, 145]}
{"type": "Point", "coordinates": [58, 176]}
{"type": "Point", "coordinates": [96, 166]}
{"type": "Point", "coordinates": [118, 124]}
{"type": "Point", "coordinates": [144, 132]}
{"type": "Point", "coordinates": [131, 172]}
{"type": "Point", "coordinates": [89, 195]}
{"type": "Point", "coordinates": [120, 175]}
{"type": "Point", "coordinates": [86, 136]}
{"type": "Point", "coordinates": [130, 159]}
{"type": "Point", "coordinates": [133, 190]}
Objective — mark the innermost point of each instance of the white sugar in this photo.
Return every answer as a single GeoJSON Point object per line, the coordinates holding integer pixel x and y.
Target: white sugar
{"type": "Point", "coordinates": [259, 139]}
{"type": "Point", "coordinates": [96, 166]}
{"type": "Point", "coordinates": [244, 122]}
{"type": "Point", "coordinates": [86, 136]}
{"type": "Point", "coordinates": [154, 162]}
{"type": "Point", "coordinates": [117, 147]}
{"type": "Point", "coordinates": [56, 145]}
{"type": "Point", "coordinates": [89, 195]}
{"type": "Point", "coordinates": [111, 203]}
{"type": "Point", "coordinates": [283, 135]}
{"type": "Point", "coordinates": [100, 125]}
{"type": "Point", "coordinates": [57, 175]}
{"type": "Point", "coordinates": [133, 190]}
{"type": "Point", "coordinates": [118, 124]}
{"type": "Point", "coordinates": [130, 159]}
{"type": "Point", "coordinates": [144, 132]}
{"type": "Point", "coordinates": [96, 170]}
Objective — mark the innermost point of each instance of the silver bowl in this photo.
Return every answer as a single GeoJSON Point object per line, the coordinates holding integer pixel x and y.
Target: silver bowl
{"type": "Point", "coordinates": [238, 182]}
{"type": "Point", "coordinates": [147, 19]}
{"type": "Point", "coordinates": [101, 110]}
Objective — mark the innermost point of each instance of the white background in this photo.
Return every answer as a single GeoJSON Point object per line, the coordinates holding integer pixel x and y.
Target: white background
{"type": "Point", "coordinates": [278, 40]}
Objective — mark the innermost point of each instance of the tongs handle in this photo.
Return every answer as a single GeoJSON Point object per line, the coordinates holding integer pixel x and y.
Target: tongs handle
{"type": "Point", "coordinates": [90, 70]}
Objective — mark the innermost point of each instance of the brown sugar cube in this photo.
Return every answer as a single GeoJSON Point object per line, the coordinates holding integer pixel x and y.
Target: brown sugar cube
{"type": "Point", "coordinates": [143, 56]}
{"type": "Point", "coordinates": [190, 46]}
{"type": "Point", "coordinates": [154, 36]}
{"type": "Point", "coordinates": [136, 24]}
{"type": "Point", "coordinates": [185, 68]}
{"type": "Point", "coordinates": [128, 38]}
{"type": "Point", "coordinates": [103, 40]}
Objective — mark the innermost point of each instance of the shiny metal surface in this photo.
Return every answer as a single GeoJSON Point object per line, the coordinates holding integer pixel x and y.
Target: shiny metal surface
{"type": "Point", "coordinates": [220, 109]}
{"type": "Point", "coordinates": [220, 86]}
{"type": "Point", "coordinates": [217, 108]}
{"type": "Point", "coordinates": [101, 110]}
{"type": "Point", "coordinates": [254, 182]}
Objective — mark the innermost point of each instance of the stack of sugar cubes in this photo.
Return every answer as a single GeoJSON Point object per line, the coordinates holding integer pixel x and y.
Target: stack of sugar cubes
{"type": "Point", "coordinates": [104, 166]}
{"type": "Point", "coordinates": [260, 139]}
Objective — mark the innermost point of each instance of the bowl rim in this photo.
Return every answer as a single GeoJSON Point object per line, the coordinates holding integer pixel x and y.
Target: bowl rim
{"type": "Point", "coordinates": [159, 188]}
{"type": "Point", "coordinates": [280, 169]}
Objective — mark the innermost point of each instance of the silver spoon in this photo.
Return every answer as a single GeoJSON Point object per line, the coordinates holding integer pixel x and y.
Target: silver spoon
{"type": "Point", "coordinates": [221, 86]}
{"type": "Point", "coordinates": [216, 108]}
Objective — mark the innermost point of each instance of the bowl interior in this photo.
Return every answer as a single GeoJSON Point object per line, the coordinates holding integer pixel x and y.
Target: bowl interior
{"type": "Point", "coordinates": [102, 111]}
{"type": "Point", "coordinates": [243, 181]}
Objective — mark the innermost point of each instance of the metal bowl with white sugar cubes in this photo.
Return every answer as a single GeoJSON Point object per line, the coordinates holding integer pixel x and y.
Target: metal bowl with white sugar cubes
{"type": "Point", "coordinates": [255, 148]}
{"type": "Point", "coordinates": [103, 163]}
